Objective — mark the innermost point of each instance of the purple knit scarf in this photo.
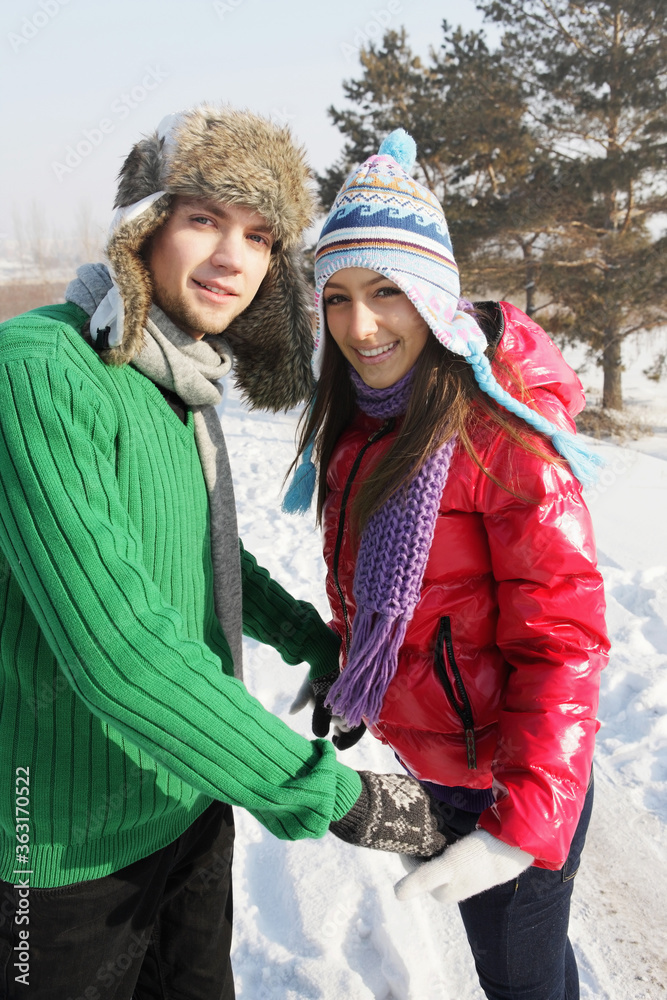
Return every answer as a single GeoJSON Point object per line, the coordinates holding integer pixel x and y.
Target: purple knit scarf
{"type": "Point", "coordinates": [393, 552]}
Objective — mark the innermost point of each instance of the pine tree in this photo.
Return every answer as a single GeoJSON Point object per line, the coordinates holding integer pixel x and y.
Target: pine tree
{"type": "Point", "coordinates": [496, 202]}
{"type": "Point", "coordinates": [394, 91]}
{"type": "Point", "coordinates": [466, 111]}
{"type": "Point", "coordinates": [595, 76]}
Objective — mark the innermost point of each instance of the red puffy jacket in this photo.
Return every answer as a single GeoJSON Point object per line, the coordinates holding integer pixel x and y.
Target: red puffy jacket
{"type": "Point", "coordinates": [498, 676]}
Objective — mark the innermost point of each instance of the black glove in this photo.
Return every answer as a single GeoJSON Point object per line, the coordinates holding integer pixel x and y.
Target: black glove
{"type": "Point", "coordinates": [314, 692]}
{"type": "Point", "coordinates": [393, 813]}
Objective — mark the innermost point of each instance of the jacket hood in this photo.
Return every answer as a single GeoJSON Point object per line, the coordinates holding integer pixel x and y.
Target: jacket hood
{"type": "Point", "coordinates": [541, 364]}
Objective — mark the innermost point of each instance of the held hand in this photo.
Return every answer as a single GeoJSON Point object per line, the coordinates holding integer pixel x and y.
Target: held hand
{"type": "Point", "coordinates": [471, 865]}
{"type": "Point", "coordinates": [314, 692]}
{"type": "Point", "coordinates": [345, 736]}
{"type": "Point", "coordinates": [393, 813]}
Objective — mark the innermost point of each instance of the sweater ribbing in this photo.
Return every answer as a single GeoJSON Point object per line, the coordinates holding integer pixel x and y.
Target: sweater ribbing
{"type": "Point", "coordinates": [116, 677]}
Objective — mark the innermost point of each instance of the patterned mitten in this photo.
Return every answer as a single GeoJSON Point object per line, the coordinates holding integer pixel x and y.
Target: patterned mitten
{"type": "Point", "coordinates": [314, 692]}
{"type": "Point", "coordinates": [393, 813]}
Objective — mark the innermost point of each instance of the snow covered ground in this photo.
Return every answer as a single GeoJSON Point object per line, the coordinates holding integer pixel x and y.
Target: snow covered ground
{"type": "Point", "coordinates": [318, 920]}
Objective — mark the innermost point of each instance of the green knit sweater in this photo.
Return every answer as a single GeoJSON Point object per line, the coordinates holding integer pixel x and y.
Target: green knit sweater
{"type": "Point", "coordinates": [116, 687]}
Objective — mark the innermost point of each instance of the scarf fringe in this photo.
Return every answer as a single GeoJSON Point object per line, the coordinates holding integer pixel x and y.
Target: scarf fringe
{"type": "Point", "coordinates": [361, 687]}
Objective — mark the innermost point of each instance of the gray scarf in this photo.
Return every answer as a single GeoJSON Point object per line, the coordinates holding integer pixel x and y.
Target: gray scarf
{"type": "Point", "coordinates": [191, 369]}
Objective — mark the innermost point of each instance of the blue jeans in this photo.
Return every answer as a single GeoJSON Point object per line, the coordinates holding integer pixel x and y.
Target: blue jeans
{"type": "Point", "coordinates": [518, 931]}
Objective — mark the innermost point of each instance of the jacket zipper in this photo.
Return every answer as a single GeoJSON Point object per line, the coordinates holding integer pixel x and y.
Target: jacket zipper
{"type": "Point", "coordinates": [461, 704]}
{"type": "Point", "coordinates": [375, 436]}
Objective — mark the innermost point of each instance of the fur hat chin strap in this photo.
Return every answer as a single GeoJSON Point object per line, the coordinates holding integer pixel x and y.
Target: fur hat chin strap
{"type": "Point", "coordinates": [108, 321]}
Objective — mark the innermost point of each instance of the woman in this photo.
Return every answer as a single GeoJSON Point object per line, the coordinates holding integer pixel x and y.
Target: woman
{"type": "Point", "coordinates": [461, 566]}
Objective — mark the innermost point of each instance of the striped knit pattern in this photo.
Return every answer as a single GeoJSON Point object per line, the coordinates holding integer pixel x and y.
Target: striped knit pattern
{"type": "Point", "coordinates": [115, 686]}
{"type": "Point", "coordinates": [384, 220]}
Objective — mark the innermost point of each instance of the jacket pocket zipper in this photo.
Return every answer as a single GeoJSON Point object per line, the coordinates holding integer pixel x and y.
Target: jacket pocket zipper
{"type": "Point", "coordinates": [461, 704]}
{"type": "Point", "coordinates": [380, 433]}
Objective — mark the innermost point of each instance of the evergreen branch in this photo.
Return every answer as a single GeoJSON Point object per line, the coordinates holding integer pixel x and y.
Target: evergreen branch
{"type": "Point", "coordinates": [572, 39]}
{"type": "Point", "coordinates": [544, 305]}
{"type": "Point", "coordinates": [600, 265]}
{"type": "Point", "coordinates": [629, 211]}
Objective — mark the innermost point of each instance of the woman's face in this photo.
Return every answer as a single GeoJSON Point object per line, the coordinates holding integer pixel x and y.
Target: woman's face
{"type": "Point", "coordinates": [374, 324]}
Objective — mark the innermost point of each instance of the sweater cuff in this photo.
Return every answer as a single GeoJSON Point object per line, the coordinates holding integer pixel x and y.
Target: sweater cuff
{"type": "Point", "coordinates": [322, 647]}
{"type": "Point", "coordinates": [348, 791]}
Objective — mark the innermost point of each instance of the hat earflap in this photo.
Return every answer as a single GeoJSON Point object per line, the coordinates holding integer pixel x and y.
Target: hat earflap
{"type": "Point", "coordinates": [117, 326]}
{"type": "Point", "coordinates": [273, 338]}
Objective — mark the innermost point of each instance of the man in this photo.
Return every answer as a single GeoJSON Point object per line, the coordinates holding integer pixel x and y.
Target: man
{"type": "Point", "coordinates": [126, 732]}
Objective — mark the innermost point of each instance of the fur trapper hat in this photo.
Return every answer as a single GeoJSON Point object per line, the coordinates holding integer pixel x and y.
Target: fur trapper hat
{"type": "Point", "coordinates": [233, 157]}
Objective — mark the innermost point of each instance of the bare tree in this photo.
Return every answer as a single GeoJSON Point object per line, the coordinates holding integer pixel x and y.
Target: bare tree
{"type": "Point", "coordinates": [88, 239]}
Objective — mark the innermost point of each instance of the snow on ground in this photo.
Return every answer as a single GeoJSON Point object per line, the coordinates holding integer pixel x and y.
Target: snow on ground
{"type": "Point", "coordinates": [318, 920]}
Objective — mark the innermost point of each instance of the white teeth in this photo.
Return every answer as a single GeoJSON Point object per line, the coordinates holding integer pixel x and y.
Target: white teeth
{"type": "Point", "coordinates": [218, 291]}
{"type": "Point", "coordinates": [376, 350]}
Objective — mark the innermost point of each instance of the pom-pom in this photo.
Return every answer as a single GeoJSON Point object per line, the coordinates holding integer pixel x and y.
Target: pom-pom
{"type": "Point", "coordinates": [402, 147]}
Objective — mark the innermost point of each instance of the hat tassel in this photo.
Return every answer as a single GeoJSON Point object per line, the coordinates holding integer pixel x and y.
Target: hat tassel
{"type": "Point", "coordinates": [299, 496]}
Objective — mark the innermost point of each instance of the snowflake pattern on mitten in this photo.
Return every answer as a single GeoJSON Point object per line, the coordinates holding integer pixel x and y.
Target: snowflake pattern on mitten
{"type": "Point", "coordinates": [393, 813]}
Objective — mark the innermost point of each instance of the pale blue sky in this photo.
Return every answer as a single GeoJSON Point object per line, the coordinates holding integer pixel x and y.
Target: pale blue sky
{"type": "Point", "coordinates": [113, 70]}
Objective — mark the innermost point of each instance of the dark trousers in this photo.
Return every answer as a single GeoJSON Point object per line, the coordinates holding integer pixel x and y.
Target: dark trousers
{"type": "Point", "coordinates": [518, 931]}
{"type": "Point", "coordinates": [159, 928]}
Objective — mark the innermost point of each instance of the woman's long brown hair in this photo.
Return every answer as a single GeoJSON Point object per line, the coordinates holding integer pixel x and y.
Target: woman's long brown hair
{"type": "Point", "coordinates": [445, 400]}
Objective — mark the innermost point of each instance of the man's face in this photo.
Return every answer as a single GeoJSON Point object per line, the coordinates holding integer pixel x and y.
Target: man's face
{"type": "Point", "coordinates": [207, 263]}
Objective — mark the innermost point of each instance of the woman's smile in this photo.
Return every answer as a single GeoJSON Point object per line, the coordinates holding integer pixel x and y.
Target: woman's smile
{"type": "Point", "coordinates": [376, 355]}
{"type": "Point", "coordinates": [374, 324]}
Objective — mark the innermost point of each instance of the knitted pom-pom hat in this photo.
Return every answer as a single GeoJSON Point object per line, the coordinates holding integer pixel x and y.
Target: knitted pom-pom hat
{"type": "Point", "coordinates": [384, 220]}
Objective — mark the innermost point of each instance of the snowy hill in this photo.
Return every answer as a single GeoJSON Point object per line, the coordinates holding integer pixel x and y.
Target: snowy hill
{"type": "Point", "coordinates": [318, 920]}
